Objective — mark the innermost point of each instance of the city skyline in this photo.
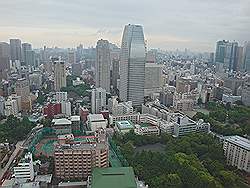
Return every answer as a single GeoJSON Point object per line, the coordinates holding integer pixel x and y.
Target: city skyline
{"type": "Point", "coordinates": [167, 25]}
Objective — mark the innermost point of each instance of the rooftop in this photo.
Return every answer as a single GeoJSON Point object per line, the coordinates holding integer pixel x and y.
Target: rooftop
{"type": "Point", "coordinates": [125, 125]}
{"type": "Point", "coordinates": [239, 141]}
{"type": "Point", "coordinates": [122, 177]}
{"type": "Point", "coordinates": [75, 118]}
{"type": "Point", "coordinates": [44, 178]}
{"type": "Point", "coordinates": [62, 121]}
{"type": "Point", "coordinates": [95, 117]}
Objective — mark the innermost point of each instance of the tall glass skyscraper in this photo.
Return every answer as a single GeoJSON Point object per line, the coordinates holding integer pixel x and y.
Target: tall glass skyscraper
{"type": "Point", "coordinates": [132, 66]}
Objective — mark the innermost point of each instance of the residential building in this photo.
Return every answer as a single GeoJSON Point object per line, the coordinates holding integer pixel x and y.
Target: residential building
{"type": "Point", "coordinates": [24, 171]}
{"type": "Point", "coordinates": [115, 73]}
{"type": "Point", "coordinates": [103, 63]}
{"type": "Point", "coordinates": [96, 121]}
{"type": "Point", "coordinates": [75, 120]}
{"type": "Point", "coordinates": [98, 100]}
{"type": "Point", "coordinates": [183, 104]}
{"type": "Point", "coordinates": [52, 109]}
{"type": "Point", "coordinates": [76, 159]}
{"type": "Point", "coordinates": [11, 107]}
{"type": "Point", "coordinates": [132, 65]}
{"type": "Point", "coordinates": [84, 112]}
{"type": "Point", "coordinates": [237, 152]}
{"type": "Point", "coordinates": [59, 75]}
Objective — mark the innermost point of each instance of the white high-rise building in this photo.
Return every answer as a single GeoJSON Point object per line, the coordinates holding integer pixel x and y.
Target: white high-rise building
{"type": "Point", "coordinates": [62, 97]}
{"type": "Point", "coordinates": [121, 108]}
{"type": "Point", "coordinates": [98, 100]}
{"type": "Point", "coordinates": [25, 169]}
{"type": "Point", "coordinates": [59, 75]}
{"type": "Point", "coordinates": [11, 107]}
{"type": "Point", "coordinates": [103, 63]}
{"type": "Point", "coordinates": [132, 66]}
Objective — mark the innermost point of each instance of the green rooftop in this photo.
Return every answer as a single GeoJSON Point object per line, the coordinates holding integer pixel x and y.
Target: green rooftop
{"type": "Point", "coordinates": [122, 177]}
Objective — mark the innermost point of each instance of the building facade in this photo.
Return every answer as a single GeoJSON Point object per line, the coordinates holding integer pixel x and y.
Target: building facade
{"type": "Point", "coordinates": [59, 75]}
{"type": "Point", "coordinates": [237, 152]}
{"type": "Point", "coordinates": [132, 66]}
{"type": "Point", "coordinates": [102, 66]}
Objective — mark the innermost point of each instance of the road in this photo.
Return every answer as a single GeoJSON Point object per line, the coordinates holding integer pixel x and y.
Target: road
{"type": "Point", "coordinates": [11, 159]}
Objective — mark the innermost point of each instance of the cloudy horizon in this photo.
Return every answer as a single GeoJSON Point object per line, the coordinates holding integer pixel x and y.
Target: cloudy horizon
{"type": "Point", "coordinates": [192, 24]}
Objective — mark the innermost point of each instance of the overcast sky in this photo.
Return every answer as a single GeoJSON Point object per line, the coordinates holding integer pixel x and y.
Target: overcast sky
{"type": "Point", "coordinates": [194, 24]}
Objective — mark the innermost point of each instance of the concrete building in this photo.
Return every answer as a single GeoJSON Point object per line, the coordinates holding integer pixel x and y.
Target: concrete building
{"type": "Point", "coordinates": [134, 118]}
{"type": "Point", "coordinates": [59, 75]}
{"type": "Point", "coordinates": [23, 90]}
{"type": "Point", "coordinates": [102, 66]}
{"type": "Point", "coordinates": [184, 125]}
{"type": "Point", "coordinates": [119, 108]}
{"type": "Point", "coordinates": [123, 127]}
{"type": "Point", "coordinates": [24, 171]}
{"type": "Point", "coordinates": [71, 57]}
{"type": "Point", "coordinates": [83, 112]}
{"type": "Point", "coordinates": [62, 98]}
{"type": "Point", "coordinates": [245, 95]}
{"type": "Point", "coordinates": [62, 126]}
{"type": "Point", "coordinates": [11, 107]}
{"type": "Point", "coordinates": [183, 104]}
{"type": "Point", "coordinates": [15, 50]}
{"type": "Point", "coordinates": [4, 60]}
{"type": "Point", "coordinates": [237, 152]}
{"type": "Point", "coordinates": [230, 98]}
{"type": "Point", "coordinates": [75, 120]}
{"type": "Point", "coordinates": [2, 106]}
{"type": "Point", "coordinates": [146, 129]}
{"type": "Point", "coordinates": [153, 78]}
{"type": "Point", "coordinates": [115, 73]}
{"type": "Point", "coordinates": [26, 47]}
{"type": "Point", "coordinates": [77, 159]}
{"type": "Point", "coordinates": [98, 100]}
{"type": "Point", "coordinates": [132, 66]}
{"type": "Point", "coordinates": [246, 56]}
{"type": "Point", "coordinates": [77, 69]}
{"type": "Point", "coordinates": [96, 121]}
{"type": "Point", "coordinates": [185, 84]}
{"type": "Point", "coordinates": [167, 97]}
{"type": "Point", "coordinates": [35, 80]}
{"type": "Point", "coordinates": [52, 109]}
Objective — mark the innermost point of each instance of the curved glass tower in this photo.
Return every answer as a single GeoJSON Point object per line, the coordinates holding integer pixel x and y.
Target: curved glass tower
{"type": "Point", "coordinates": [132, 66]}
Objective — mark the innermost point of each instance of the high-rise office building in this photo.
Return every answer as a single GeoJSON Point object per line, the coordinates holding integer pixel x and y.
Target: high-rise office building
{"type": "Point", "coordinates": [15, 50]}
{"type": "Point", "coordinates": [226, 55]}
{"type": "Point", "coordinates": [4, 59]}
{"type": "Point", "coordinates": [59, 75]}
{"type": "Point", "coordinates": [132, 66]}
{"type": "Point", "coordinates": [25, 48]}
{"type": "Point", "coordinates": [246, 56]}
{"type": "Point", "coordinates": [102, 67]}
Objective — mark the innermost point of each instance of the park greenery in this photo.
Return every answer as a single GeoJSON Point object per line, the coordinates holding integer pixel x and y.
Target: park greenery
{"type": "Point", "coordinates": [79, 90]}
{"type": "Point", "coordinates": [227, 119]}
{"type": "Point", "coordinates": [14, 129]}
{"type": "Point", "coordinates": [195, 160]}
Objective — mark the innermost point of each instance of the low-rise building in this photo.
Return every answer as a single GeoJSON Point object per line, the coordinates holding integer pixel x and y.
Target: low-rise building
{"type": "Point", "coordinates": [96, 121]}
{"type": "Point", "coordinates": [146, 129]}
{"type": "Point", "coordinates": [237, 152]}
{"type": "Point", "coordinates": [124, 126]}
{"type": "Point", "coordinates": [62, 126]}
